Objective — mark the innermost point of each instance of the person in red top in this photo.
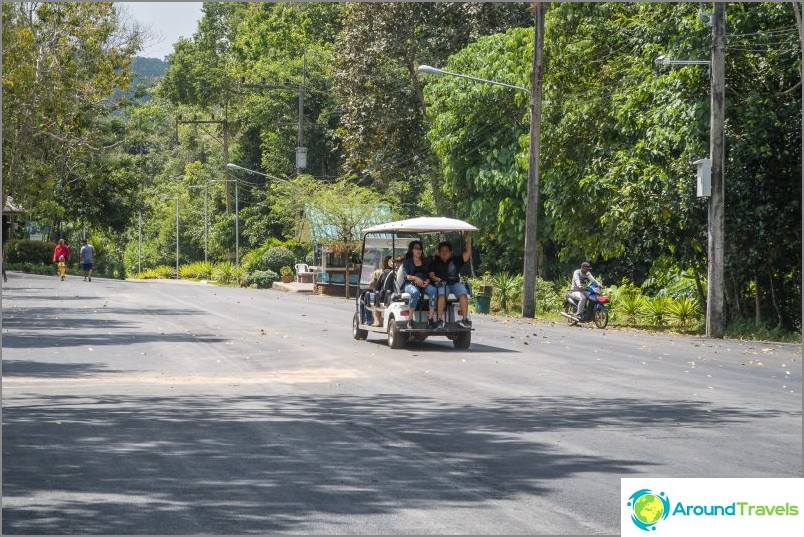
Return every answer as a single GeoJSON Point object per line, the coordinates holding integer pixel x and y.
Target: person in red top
{"type": "Point", "coordinates": [61, 250]}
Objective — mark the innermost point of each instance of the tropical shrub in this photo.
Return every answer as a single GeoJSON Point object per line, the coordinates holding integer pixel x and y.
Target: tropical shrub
{"type": "Point", "coordinates": [274, 259]}
{"type": "Point", "coordinates": [684, 311]}
{"type": "Point", "coordinates": [199, 270]}
{"type": "Point", "coordinates": [27, 251]}
{"type": "Point", "coordinates": [223, 272]}
{"type": "Point", "coordinates": [549, 296]}
{"type": "Point", "coordinates": [654, 311]}
{"type": "Point", "coordinates": [262, 279]}
{"type": "Point", "coordinates": [508, 290]}
{"type": "Point", "coordinates": [238, 275]}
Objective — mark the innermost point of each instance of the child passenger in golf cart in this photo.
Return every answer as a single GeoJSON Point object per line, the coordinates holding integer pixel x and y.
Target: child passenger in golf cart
{"type": "Point", "coordinates": [445, 272]}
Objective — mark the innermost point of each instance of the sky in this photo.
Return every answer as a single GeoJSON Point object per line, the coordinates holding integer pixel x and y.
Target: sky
{"type": "Point", "coordinates": [167, 21]}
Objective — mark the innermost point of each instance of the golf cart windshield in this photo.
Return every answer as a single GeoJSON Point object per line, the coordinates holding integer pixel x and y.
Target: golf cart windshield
{"type": "Point", "coordinates": [392, 238]}
{"type": "Point", "coordinates": [377, 248]}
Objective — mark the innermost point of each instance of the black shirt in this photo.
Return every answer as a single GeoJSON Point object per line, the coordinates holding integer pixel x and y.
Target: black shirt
{"type": "Point", "coordinates": [450, 271]}
{"type": "Point", "coordinates": [411, 269]}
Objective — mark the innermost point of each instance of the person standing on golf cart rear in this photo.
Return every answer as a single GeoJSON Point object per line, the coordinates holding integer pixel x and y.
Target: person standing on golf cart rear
{"type": "Point", "coordinates": [445, 271]}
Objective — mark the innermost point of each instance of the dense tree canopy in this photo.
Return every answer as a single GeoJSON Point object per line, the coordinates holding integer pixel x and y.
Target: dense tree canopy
{"type": "Point", "coordinates": [619, 132]}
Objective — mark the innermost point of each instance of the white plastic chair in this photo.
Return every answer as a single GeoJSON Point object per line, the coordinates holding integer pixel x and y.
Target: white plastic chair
{"type": "Point", "coordinates": [302, 268]}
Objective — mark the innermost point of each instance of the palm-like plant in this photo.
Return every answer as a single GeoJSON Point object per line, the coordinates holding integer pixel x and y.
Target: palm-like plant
{"type": "Point", "coordinates": [654, 310]}
{"type": "Point", "coordinates": [508, 288]}
{"type": "Point", "coordinates": [222, 272]}
{"type": "Point", "coordinates": [684, 310]}
{"type": "Point", "coordinates": [629, 305]}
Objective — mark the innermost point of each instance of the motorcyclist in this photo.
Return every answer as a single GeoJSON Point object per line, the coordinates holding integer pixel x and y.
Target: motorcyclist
{"type": "Point", "coordinates": [581, 279]}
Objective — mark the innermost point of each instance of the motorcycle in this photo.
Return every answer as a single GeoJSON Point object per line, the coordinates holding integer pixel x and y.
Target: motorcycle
{"type": "Point", "coordinates": [595, 310]}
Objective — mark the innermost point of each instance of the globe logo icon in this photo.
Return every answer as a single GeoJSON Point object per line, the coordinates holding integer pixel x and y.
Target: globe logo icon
{"type": "Point", "coordinates": [648, 508]}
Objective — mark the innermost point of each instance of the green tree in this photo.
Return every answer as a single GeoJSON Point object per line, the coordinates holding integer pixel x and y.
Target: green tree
{"type": "Point", "coordinates": [58, 127]}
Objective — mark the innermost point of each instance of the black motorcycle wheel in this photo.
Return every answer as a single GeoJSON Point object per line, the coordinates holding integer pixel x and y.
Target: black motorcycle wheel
{"type": "Point", "coordinates": [569, 309]}
{"type": "Point", "coordinates": [601, 318]}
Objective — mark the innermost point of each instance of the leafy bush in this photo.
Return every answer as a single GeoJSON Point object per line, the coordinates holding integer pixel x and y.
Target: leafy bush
{"type": "Point", "coordinates": [655, 310]}
{"type": "Point", "coordinates": [684, 311]}
{"type": "Point", "coordinates": [275, 258]}
{"type": "Point", "coordinates": [286, 271]}
{"type": "Point", "coordinates": [508, 289]}
{"type": "Point", "coordinates": [27, 251]}
{"type": "Point", "coordinates": [238, 275]}
{"type": "Point", "coordinates": [253, 258]}
{"type": "Point", "coordinates": [629, 304]}
{"type": "Point", "coordinates": [199, 270]}
{"type": "Point", "coordinates": [262, 278]}
{"type": "Point", "coordinates": [44, 269]}
{"type": "Point", "coordinates": [549, 296]}
{"type": "Point", "coordinates": [162, 272]}
{"type": "Point", "coordinates": [223, 272]}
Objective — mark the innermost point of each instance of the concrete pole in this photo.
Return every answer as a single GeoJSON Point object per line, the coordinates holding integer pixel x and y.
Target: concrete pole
{"type": "Point", "coordinates": [237, 225]}
{"type": "Point", "coordinates": [206, 221]}
{"type": "Point", "coordinates": [226, 155]}
{"type": "Point", "coordinates": [715, 319]}
{"type": "Point", "coordinates": [530, 269]}
{"type": "Point", "coordinates": [177, 237]}
{"type": "Point", "coordinates": [139, 242]}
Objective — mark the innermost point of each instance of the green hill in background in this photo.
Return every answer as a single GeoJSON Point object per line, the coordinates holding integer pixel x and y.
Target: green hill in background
{"type": "Point", "coordinates": [146, 71]}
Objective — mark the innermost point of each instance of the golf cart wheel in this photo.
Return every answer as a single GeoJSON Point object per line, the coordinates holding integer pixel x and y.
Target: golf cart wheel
{"type": "Point", "coordinates": [601, 318]}
{"type": "Point", "coordinates": [462, 340]}
{"type": "Point", "coordinates": [396, 339]}
{"type": "Point", "coordinates": [569, 309]}
{"type": "Point", "coordinates": [357, 332]}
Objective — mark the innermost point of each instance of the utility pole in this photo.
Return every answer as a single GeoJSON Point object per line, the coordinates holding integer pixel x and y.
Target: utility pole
{"type": "Point", "coordinates": [301, 151]}
{"type": "Point", "coordinates": [224, 123]}
{"type": "Point", "coordinates": [530, 269]}
{"type": "Point", "coordinates": [205, 186]}
{"type": "Point", "coordinates": [715, 321]}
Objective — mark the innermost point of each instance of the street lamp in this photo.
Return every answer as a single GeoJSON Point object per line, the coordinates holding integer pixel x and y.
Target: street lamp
{"type": "Point", "coordinates": [205, 186]}
{"type": "Point", "coordinates": [664, 61]}
{"type": "Point", "coordinates": [176, 199]}
{"type": "Point", "coordinates": [232, 166]}
{"type": "Point", "coordinates": [428, 70]}
{"type": "Point", "coordinates": [532, 203]}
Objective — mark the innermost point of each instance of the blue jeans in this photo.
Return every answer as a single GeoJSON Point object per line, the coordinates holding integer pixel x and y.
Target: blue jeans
{"type": "Point", "coordinates": [456, 289]}
{"type": "Point", "coordinates": [415, 293]}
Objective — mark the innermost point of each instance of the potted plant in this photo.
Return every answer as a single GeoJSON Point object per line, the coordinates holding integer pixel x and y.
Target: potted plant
{"type": "Point", "coordinates": [287, 274]}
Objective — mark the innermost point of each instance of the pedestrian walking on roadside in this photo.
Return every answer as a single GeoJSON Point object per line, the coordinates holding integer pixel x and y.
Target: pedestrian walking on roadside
{"type": "Point", "coordinates": [61, 250]}
{"type": "Point", "coordinates": [87, 257]}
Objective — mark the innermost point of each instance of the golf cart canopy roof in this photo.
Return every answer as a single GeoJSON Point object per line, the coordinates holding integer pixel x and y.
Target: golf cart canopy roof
{"type": "Point", "coordinates": [424, 224]}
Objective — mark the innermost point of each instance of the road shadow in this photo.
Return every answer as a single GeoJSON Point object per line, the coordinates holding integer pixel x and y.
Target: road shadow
{"type": "Point", "coordinates": [28, 368]}
{"type": "Point", "coordinates": [271, 464]}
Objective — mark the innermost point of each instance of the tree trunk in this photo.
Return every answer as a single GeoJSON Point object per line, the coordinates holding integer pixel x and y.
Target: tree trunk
{"type": "Point", "coordinates": [775, 302]}
{"type": "Point", "coordinates": [699, 288]}
{"type": "Point", "coordinates": [736, 296]}
{"type": "Point", "coordinates": [757, 309]}
{"type": "Point", "coordinates": [346, 271]}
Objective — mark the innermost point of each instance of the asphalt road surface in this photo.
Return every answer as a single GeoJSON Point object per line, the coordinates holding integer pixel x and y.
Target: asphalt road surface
{"type": "Point", "coordinates": [163, 407]}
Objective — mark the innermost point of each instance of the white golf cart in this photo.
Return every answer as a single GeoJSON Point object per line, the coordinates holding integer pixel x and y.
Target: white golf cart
{"type": "Point", "coordinates": [386, 244]}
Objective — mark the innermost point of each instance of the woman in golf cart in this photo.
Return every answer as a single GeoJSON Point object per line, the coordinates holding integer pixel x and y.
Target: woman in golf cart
{"type": "Point", "coordinates": [445, 271]}
{"type": "Point", "coordinates": [415, 273]}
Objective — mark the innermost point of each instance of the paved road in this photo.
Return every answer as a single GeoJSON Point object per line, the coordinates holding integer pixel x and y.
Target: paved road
{"type": "Point", "coordinates": [155, 407]}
